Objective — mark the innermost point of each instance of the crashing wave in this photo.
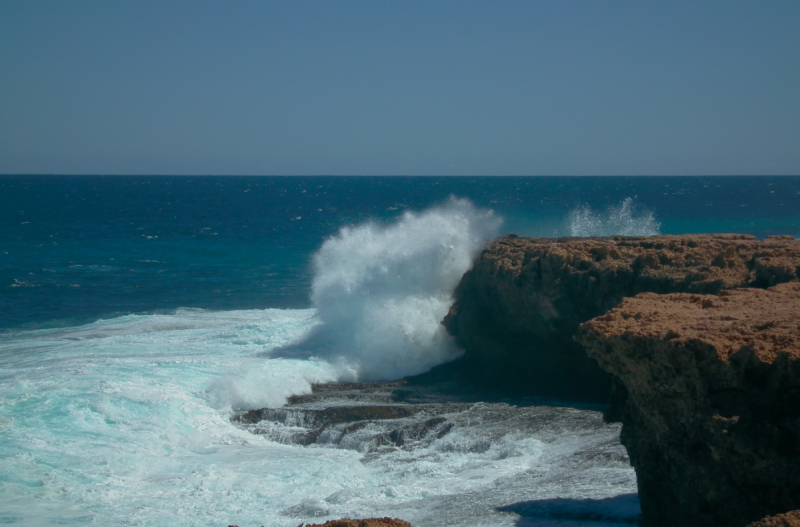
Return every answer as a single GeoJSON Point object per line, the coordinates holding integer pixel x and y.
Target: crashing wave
{"type": "Point", "coordinates": [625, 219]}
{"type": "Point", "coordinates": [381, 290]}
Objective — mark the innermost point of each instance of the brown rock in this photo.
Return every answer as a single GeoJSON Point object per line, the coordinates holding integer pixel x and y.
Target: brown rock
{"type": "Point", "coordinates": [708, 391]}
{"type": "Point", "coordinates": [368, 522]}
{"type": "Point", "coordinates": [517, 310]}
{"type": "Point", "coordinates": [789, 519]}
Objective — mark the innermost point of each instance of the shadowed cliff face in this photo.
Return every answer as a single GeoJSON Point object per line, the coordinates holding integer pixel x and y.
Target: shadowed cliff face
{"type": "Point", "coordinates": [517, 310]}
{"type": "Point", "coordinates": [709, 397]}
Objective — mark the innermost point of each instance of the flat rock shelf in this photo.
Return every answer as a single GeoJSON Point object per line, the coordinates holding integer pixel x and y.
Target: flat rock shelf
{"type": "Point", "coordinates": [512, 457]}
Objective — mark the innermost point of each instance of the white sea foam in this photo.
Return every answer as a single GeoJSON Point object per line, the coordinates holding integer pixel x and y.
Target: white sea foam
{"type": "Point", "coordinates": [126, 422]}
{"type": "Point", "coordinates": [381, 291]}
{"type": "Point", "coordinates": [625, 219]}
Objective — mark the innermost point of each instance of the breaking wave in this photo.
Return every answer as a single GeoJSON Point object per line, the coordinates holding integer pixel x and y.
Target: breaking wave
{"type": "Point", "coordinates": [625, 219]}
{"type": "Point", "coordinates": [381, 290]}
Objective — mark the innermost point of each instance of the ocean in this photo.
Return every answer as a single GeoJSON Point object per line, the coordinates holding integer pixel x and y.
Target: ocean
{"type": "Point", "coordinates": [198, 350]}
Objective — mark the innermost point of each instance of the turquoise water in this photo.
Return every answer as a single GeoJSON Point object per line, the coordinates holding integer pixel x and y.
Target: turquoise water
{"type": "Point", "coordinates": [139, 313]}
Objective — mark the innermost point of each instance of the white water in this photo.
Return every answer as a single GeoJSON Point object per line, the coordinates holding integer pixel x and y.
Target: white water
{"type": "Point", "coordinates": [127, 421]}
{"type": "Point", "coordinates": [381, 291]}
{"type": "Point", "coordinates": [624, 219]}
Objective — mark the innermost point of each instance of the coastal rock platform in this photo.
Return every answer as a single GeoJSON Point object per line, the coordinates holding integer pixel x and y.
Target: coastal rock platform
{"type": "Point", "coordinates": [509, 461]}
{"type": "Point", "coordinates": [708, 391]}
{"type": "Point", "coordinates": [517, 310]}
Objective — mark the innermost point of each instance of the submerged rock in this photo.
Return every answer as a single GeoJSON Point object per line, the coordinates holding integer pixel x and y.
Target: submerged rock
{"type": "Point", "coordinates": [475, 460]}
{"type": "Point", "coordinates": [708, 391]}
{"type": "Point", "coordinates": [517, 310]}
{"type": "Point", "coordinates": [382, 418]}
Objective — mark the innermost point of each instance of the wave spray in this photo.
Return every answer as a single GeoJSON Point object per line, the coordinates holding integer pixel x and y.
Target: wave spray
{"type": "Point", "coordinates": [626, 219]}
{"type": "Point", "coordinates": [381, 290]}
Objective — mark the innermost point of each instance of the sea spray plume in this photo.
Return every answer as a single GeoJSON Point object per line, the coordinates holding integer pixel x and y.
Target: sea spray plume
{"type": "Point", "coordinates": [381, 291]}
{"type": "Point", "coordinates": [625, 219]}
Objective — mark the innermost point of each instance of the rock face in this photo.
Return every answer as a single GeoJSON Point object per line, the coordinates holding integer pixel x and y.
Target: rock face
{"type": "Point", "coordinates": [517, 310]}
{"type": "Point", "coordinates": [708, 391]}
{"type": "Point", "coordinates": [789, 519]}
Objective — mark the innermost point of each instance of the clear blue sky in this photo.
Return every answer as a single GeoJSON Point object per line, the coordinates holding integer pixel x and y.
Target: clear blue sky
{"type": "Point", "coordinates": [414, 87]}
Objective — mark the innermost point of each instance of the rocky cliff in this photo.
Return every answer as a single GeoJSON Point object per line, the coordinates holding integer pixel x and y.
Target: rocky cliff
{"type": "Point", "coordinates": [709, 396]}
{"type": "Point", "coordinates": [516, 312]}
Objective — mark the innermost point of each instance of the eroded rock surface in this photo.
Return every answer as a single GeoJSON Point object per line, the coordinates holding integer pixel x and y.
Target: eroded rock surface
{"type": "Point", "coordinates": [789, 519]}
{"type": "Point", "coordinates": [708, 391]}
{"type": "Point", "coordinates": [474, 455]}
{"type": "Point", "coordinates": [517, 310]}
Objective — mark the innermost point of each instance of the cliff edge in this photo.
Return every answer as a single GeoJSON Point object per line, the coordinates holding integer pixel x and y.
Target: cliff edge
{"type": "Point", "coordinates": [517, 310]}
{"type": "Point", "coordinates": [789, 519]}
{"type": "Point", "coordinates": [708, 391]}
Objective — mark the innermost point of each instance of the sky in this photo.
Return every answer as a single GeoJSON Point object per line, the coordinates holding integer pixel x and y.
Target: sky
{"type": "Point", "coordinates": [411, 87]}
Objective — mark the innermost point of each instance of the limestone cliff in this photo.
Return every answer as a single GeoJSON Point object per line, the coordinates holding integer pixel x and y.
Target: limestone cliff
{"type": "Point", "coordinates": [517, 310]}
{"type": "Point", "coordinates": [709, 396]}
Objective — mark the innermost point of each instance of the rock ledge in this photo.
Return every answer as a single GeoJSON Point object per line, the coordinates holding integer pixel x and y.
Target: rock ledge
{"type": "Point", "coordinates": [517, 310]}
{"type": "Point", "coordinates": [708, 391]}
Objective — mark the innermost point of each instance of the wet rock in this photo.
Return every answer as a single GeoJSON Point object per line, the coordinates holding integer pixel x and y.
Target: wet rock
{"type": "Point", "coordinates": [367, 417]}
{"type": "Point", "coordinates": [708, 391]}
{"type": "Point", "coordinates": [517, 310]}
{"type": "Point", "coordinates": [413, 418]}
{"type": "Point", "coordinates": [493, 452]}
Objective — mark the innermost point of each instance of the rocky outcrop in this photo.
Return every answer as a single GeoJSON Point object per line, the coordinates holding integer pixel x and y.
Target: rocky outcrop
{"type": "Point", "coordinates": [708, 391]}
{"type": "Point", "coordinates": [789, 519]}
{"type": "Point", "coordinates": [517, 310]}
{"type": "Point", "coordinates": [368, 522]}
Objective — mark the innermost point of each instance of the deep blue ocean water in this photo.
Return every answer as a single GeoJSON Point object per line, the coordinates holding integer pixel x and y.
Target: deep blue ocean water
{"type": "Point", "coordinates": [138, 314]}
{"type": "Point", "coordinates": [75, 248]}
